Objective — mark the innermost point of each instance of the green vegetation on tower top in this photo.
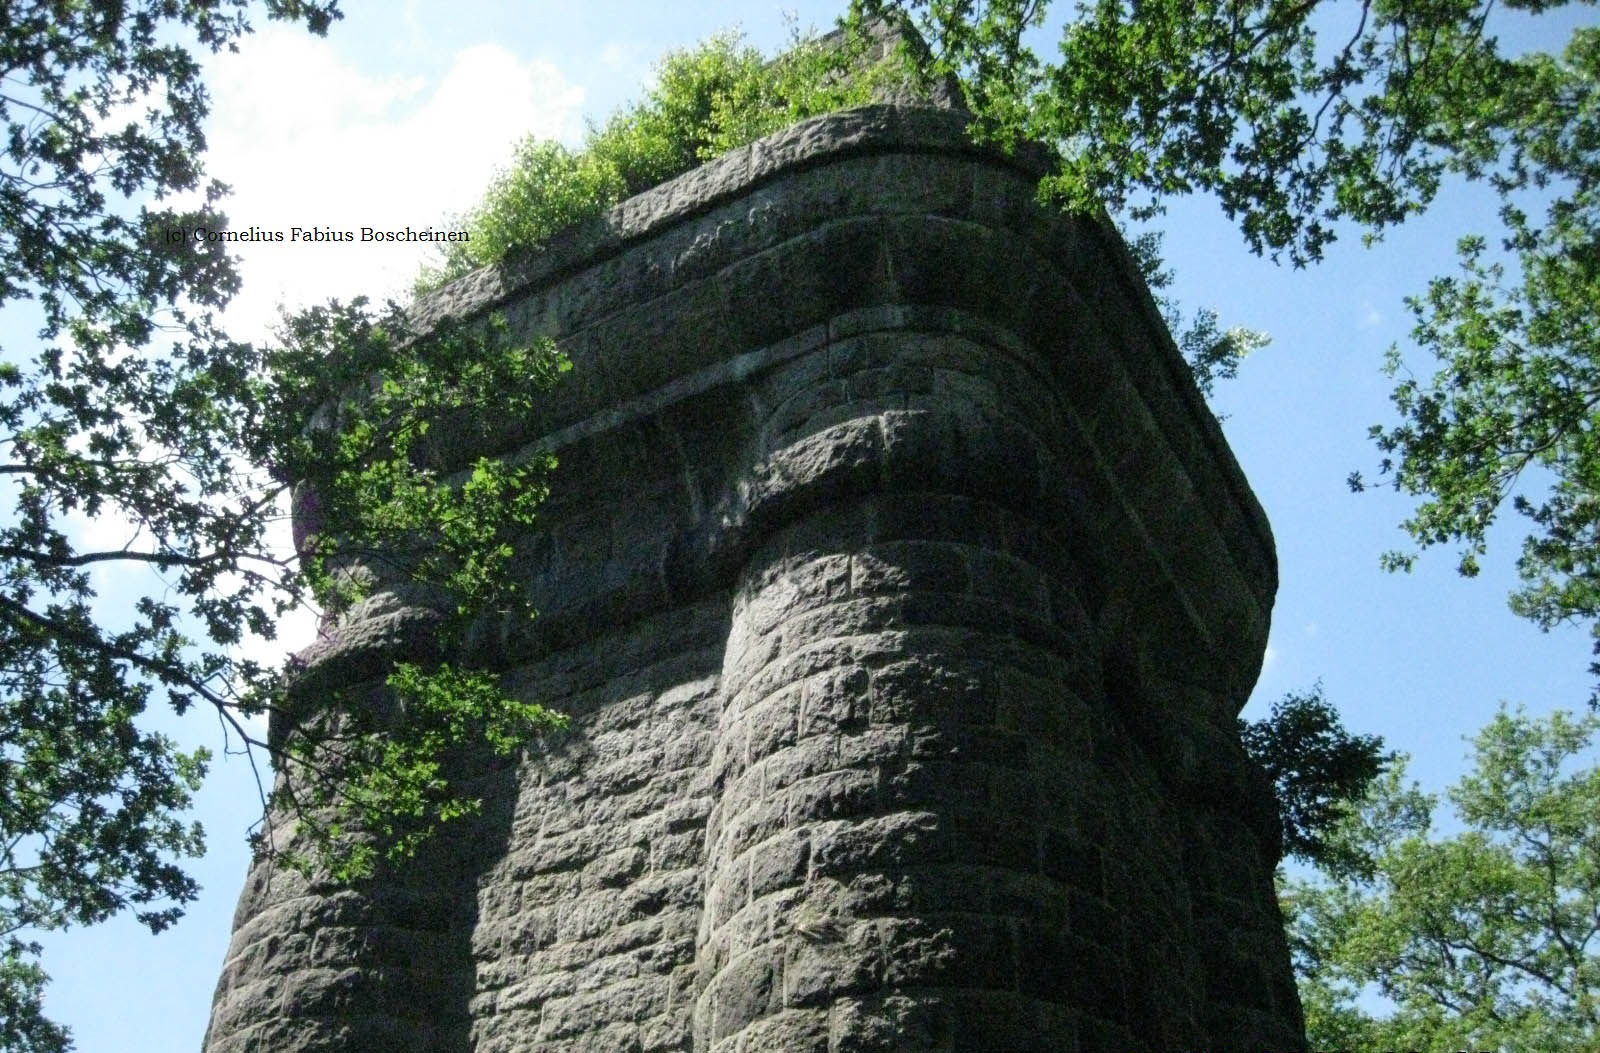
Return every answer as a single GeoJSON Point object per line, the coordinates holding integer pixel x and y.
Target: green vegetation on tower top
{"type": "Point", "coordinates": [708, 100]}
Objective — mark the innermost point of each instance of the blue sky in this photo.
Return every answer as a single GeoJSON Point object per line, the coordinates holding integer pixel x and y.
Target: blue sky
{"type": "Point", "coordinates": [403, 113]}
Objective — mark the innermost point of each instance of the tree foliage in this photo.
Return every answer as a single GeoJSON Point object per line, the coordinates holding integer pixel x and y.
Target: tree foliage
{"type": "Point", "coordinates": [1484, 939]}
{"type": "Point", "coordinates": [1295, 116]}
{"type": "Point", "coordinates": [1211, 352]}
{"type": "Point", "coordinates": [383, 431]}
{"type": "Point", "coordinates": [1512, 410]}
{"type": "Point", "coordinates": [1318, 770]}
{"type": "Point", "coordinates": [134, 433]}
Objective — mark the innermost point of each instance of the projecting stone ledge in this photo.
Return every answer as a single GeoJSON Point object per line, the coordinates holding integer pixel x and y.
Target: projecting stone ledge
{"type": "Point", "coordinates": [903, 593]}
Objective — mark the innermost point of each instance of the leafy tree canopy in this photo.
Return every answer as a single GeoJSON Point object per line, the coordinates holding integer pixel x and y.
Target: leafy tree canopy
{"type": "Point", "coordinates": [1512, 407]}
{"type": "Point", "coordinates": [126, 405]}
{"type": "Point", "coordinates": [1318, 770]}
{"type": "Point", "coordinates": [1485, 939]}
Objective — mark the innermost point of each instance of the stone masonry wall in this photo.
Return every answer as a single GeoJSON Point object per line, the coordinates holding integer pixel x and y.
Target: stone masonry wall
{"type": "Point", "coordinates": [903, 593]}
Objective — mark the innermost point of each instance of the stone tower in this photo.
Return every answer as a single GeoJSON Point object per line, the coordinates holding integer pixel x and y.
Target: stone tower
{"type": "Point", "coordinates": [903, 594]}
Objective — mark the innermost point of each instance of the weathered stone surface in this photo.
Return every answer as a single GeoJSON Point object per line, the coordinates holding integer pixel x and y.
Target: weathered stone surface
{"type": "Point", "coordinates": [902, 592]}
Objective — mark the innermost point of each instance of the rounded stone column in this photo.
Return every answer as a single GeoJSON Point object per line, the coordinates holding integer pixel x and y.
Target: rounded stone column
{"type": "Point", "coordinates": [916, 783]}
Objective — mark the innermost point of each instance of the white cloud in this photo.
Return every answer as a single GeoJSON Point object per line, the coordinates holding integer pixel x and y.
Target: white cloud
{"type": "Point", "coordinates": [1371, 317]}
{"type": "Point", "coordinates": [308, 141]}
